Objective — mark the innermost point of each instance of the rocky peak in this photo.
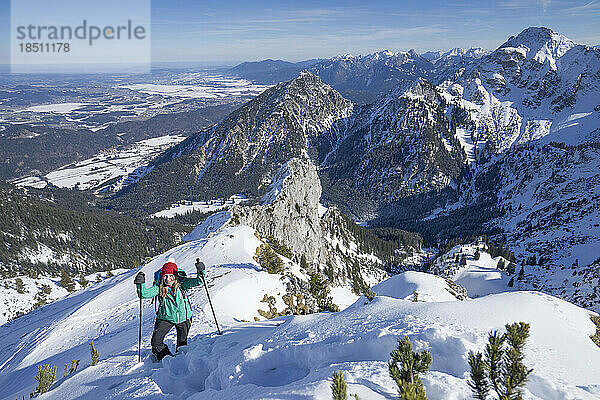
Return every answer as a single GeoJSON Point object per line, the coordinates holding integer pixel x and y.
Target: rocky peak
{"type": "Point", "coordinates": [289, 210]}
{"type": "Point", "coordinates": [539, 43]}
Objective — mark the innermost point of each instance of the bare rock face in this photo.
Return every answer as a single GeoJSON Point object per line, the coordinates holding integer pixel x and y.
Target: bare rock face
{"type": "Point", "coordinates": [289, 210]}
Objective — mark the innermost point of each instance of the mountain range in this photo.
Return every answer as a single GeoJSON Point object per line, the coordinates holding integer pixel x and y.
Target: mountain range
{"type": "Point", "coordinates": [441, 160]}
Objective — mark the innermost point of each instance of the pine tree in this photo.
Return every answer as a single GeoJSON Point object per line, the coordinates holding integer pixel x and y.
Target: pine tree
{"type": "Point", "coordinates": [268, 259]}
{"type": "Point", "coordinates": [500, 264]}
{"type": "Point", "coordinates": [511, 268]}
{"type": "Point", "coordinates": [67, 282]}
{"type": "Point", "coordinates": [405, 367]}
{"type": "Point", "coordinates": [503, 369]}
{"type": "Point", "coordinates": [338, 386]}
{"type": "Point", "coordinates": [320, 291]}
{"type": "Point", "coordinates": [94, 354]}
{"type": "Point", "coordinates": [303, 263]}
{"type": "Point", "coordinates": [477, 255]}
{"type": "Point", "coordinates": [45, 377]}
{"type": "Point", "coordinates": [463, 260]}
{"type": "Point", "coordinates": [82, 281]}
{"type": "Point", "coordinates": [20, 285]}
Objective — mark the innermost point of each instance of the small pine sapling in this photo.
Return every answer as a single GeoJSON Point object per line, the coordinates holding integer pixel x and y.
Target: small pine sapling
{"type": "Point", "coordinates": [405, 367]}
{"type": "Point", "coordinates": [338, 386]}
{"type": "Point", "coordinates": [596, 337]}
{"type": "Point", "coordinates": [502, 369]}
{"type": "Point", "coordinates": [415, 297]}
{"type": "Point", "coordinates": [45, 377]}
{"type": "Point", "coordinates": [94, 353]}
{"type": "Point", "coordinates": [478, 383]}
{"type": "Point", "coordinates": [74, 365]}
{"type": "Point", "coordinates": [272, 313]}
{"type": "Point", "coordinates": [66, 281]}
{"type": "Point", "coordinates": [369, 294]}
{"type": "Point", "coordinates": [20, 285]}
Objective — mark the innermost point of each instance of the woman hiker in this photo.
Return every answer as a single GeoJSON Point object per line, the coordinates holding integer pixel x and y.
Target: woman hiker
{"type": "Point", "coordinates": [174, 307]}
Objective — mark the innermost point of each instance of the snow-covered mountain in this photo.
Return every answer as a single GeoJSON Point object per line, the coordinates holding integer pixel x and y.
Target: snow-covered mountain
{"type": "Point", "coordinates": [363, 79]}
{"type": "Point", "coordinates": [360, 78]}
{"type": "Point", "coordinates": [241, 154]}
{"type": "Point", "coordinates": [548, 82]}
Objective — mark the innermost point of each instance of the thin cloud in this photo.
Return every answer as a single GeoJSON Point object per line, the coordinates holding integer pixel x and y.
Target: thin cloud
{"type": "Point", "coordinates": [593, 7]}
{"type": "Point", "coordinates": [521, 4]}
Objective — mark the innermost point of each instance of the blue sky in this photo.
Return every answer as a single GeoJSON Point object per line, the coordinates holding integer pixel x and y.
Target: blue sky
{"type": "Point", "coordinates": [232, 31]}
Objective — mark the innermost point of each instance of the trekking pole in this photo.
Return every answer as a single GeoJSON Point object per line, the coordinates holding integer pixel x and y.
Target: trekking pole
{"type": "Point", "coordinates": [140, 279]}
{"type": "Point", "coordinates": [201, 267]}
{"type": "Point", "coordinates": [140, 334]}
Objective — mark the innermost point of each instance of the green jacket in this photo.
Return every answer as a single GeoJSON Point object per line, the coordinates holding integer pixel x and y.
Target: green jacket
{"type": "Point", "coordinates": [174, 308]}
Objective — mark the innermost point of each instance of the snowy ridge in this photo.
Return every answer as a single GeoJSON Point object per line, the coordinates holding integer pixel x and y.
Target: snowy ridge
{"type": "Point", "coordinates": [290, 355]}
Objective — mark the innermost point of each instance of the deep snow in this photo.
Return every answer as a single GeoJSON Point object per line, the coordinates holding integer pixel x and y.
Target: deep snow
{"type": "Point", "coordinates": [289, 357]}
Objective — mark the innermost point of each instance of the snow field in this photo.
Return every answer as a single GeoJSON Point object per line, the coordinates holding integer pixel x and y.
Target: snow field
{"type": "Point", "coordinates": [293, 356]}
{"type": "Point", "coordinates": [296, 359]}
{"type": "Point", "coordinates": [204, 206]}
{"type": "Point", "coordinates": [13, 302]}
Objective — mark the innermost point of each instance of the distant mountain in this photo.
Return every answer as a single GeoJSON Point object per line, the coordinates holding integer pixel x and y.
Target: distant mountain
{"type": "Point", "coordinates": [361, 79]}
{"type": "Point", "coordinates": [454, 60]}
{"type": "Point", "coordinates": [431, 55]}
{"type": "Point", "coordinates": [473, 52]}
{"type": "Point", "coordinates": [270, 71]}
{"type": "Point", "coordinates": [455, 53]}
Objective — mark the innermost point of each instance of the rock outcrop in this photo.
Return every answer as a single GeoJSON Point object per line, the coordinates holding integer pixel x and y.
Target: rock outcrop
{"type": "Point", "coordinates": [289, 210]}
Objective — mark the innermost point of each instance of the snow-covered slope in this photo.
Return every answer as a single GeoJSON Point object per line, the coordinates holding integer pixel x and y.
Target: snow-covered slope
{"type": "Point", "coordinates": [480, 276]}
{"type": "Point", "coordinates": [291, 356]}
{"type": "Point", "coordinates": [115, 168]}
{"type": "Point", "coordinates": [36, 291]}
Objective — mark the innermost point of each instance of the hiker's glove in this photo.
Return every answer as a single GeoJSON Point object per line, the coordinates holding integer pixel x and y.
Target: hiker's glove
{"type": "Point", "coordinates": [200, 268]}
{"type": "Point", "coordinates": [140, 278]}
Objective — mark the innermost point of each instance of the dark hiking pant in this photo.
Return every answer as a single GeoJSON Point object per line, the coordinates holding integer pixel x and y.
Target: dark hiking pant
{"type": "Point", "coordinates": [161, 328]}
